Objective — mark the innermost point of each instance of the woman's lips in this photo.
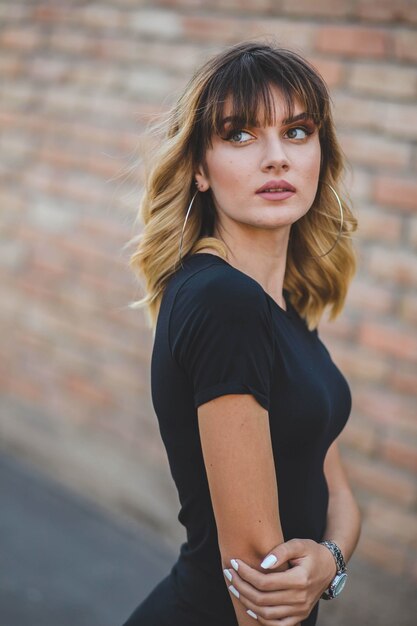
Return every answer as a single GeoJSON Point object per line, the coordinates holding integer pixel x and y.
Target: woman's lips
{"type": "Point", "coordinates": [275, 195]}
{"type": "Point", "coordinates": [276, 190]}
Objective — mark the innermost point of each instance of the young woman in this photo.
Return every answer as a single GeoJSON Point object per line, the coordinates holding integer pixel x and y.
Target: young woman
{"type": "Point", "coordinates": [246, 241]}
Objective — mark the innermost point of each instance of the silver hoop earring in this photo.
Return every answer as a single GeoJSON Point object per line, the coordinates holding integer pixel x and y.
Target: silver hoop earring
{"type": "Point", "coordinates": [318, 256]}
{"type": "Point", "coordinates": [185, 222]}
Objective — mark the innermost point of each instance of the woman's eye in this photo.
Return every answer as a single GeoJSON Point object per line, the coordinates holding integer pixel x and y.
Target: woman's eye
{"type": "Point", "coordinates": [292, 133]}
{"type": "Point", "coordinates": [239, 136]}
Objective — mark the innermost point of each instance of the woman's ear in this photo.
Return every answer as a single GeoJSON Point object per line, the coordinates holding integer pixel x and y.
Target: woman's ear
{"type": "Point", "coordinates": [201, 179]}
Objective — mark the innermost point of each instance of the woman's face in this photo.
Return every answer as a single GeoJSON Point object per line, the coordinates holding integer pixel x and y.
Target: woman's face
{"type": "Point", "coordinates": [264, 177]}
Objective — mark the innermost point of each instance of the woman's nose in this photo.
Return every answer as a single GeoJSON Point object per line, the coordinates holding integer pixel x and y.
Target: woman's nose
{"type": "Point", "coordinates": [274, 155]}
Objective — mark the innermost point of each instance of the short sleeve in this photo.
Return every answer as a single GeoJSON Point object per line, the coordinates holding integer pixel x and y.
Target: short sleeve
{"type": "Point", "coordinates": [221, 336]}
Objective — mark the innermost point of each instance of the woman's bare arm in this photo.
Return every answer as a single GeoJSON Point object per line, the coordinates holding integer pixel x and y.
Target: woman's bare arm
{"type": "Point", "coordinates": [295, 592]}
{"type": "Point", "coordinates": [343, 515]}
{"type": "Point", "coordinates": [237, 450]}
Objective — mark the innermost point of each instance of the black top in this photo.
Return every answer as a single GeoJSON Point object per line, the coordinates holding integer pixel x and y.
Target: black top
{"type": "Point", "coordinates": [219, 332]}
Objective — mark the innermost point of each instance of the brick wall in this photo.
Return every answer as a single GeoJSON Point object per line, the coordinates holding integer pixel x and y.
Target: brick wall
{"type": "Point", "coordinates": [80, 81]}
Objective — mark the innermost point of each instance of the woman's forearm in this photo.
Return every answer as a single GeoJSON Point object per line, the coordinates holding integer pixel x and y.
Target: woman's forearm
{"type": "Point", "coordinates": [343, 521]}
{"type": "Point", "coordinates": [343, 515]}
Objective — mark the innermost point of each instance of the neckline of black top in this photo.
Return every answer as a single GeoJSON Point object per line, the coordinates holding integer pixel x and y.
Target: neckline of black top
{"type": "Point", "coordinates": [287, 312]}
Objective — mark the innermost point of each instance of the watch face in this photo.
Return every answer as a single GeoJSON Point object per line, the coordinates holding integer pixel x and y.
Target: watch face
{"type": "Point", "coordinates": [339, 583]}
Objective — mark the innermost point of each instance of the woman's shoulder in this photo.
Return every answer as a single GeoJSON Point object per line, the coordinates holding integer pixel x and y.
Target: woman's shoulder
{"type": "Point", "coordinates": [214, 283]}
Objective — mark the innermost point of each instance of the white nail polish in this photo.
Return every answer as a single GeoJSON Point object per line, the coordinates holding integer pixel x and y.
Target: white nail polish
{"type": "Point", "coordinates": [252, 614]}
{"type": "Point", "coordinates": [235, 564]}
{"type": "Point", "coordinates": [228, 575]}
{"type": "Point", "coordinates": [234, 591]}
{"type": "Point", "coordinates": [269, 561]}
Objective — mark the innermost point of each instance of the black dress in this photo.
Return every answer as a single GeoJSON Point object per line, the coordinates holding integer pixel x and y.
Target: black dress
{"type": "Point", "coordinates": [219, 332]}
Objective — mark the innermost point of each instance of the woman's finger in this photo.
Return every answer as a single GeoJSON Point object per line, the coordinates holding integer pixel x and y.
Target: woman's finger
{"type": "Point", "coordinates": [286, 621]}
{"type": "Point", "coordinates": [268, 581]}
{"type": "Point", "coordinates": [260, 580]}
{"type": "Point", "coordinates": [270, 612]}
{"type": "Point", "coordinates": [257, 597]}
{"type": "Point", "coordinates": [285, 552]}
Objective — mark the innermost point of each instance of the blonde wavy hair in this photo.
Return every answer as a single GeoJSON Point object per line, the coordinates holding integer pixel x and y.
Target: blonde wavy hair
{"type": "Point", "coordinates": [245, 73]}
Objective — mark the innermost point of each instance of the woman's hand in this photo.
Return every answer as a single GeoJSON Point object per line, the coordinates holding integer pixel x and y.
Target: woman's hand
{"type": "Point", "coordinates": [284, 598]}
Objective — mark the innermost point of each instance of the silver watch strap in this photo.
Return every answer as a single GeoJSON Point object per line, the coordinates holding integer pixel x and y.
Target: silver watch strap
{"type": "Point", "coordinates": [337, 555]}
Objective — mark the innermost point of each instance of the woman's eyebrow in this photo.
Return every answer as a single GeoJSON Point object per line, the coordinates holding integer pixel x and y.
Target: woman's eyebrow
{"type": "Point", "coordinates": [301, 116]}
{"type": "Point", "coordinates": [231, 118]}
{"type": "Point", "coordinates": [295, 118]}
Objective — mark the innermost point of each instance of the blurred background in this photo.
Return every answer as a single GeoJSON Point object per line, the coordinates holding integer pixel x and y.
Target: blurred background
{"type": "Point", "coordinates": [88, 519]}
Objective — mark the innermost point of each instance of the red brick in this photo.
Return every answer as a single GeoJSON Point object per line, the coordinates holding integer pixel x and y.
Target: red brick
{"type": "Point", "coordinates": [13, 13]}
{"type": "Point", "coordinates": [412, 232]}
{"type": "Point", "coordinates": [395, 191]}
{"type": "Point", "coordinates": [225, 30]}
{"type": "Point", "coordinates": [370, 299]}
{"type": "Point", "coordinates": [88, 253]}
{"type": "Point", "coordinates": [375, 477]}
{"type": "Point", "coordinates": [13, 255]}
{"type": "Point", "coordinates": [87, 391]}
{"type": "Point", "coordinates": [375, 224]}
{"type": "Point", "coordinates": [332, 71]}
{"type": "Point", "coordinates": [190, 4]}
{"type": "Point", "coordinates": [13, 202]}
{"type": "Point", "coordinates": [227, 6]}
{"type": "Point", "coordinates": [399, 120]}
{"type": "Point", "coordinates": [99, 165]}
{"type": "Point", "coordinates": [353, 41]}
{"type": "Point", "coordinates": [11, 66]}
{"type": "Point", "coordinates": [360, 436]}
{"type": "Point", "coordinates": [359, 363]}
{"type": "Point", "coordinates": [106, 232]}
{"type": "Point", "coordinates": [52, 12]}
{"type": "Point", "coordinates": [405, 45]}
{"type": "Point", "coordinates": [77, 191]}
{"type": "Point", "coordinates": [19, 386]}
{"type": "Point", "coordinates": [25, 38]}
{"type": "Point", "coordinates": [412, 565]}
{"type": "Point", "coordinates": [18, 95]}
{"type": "Point", "coordinates": [213, 29]}
{"type": "Point", "coordinates": [17, 147]}
{"type": "Point", "coordinates": [156, 23]}
{"type": "Point", "coordinates": [408, 308]}
{"type": "Point", "coordinates": [341, 328]}
{"type": "Point", "coordinates": [383, 80]}
{"type": "Point", "coordinates": [386, 10]}
{"type": "Point", "coordinates": [400, 453]}
{"type": "Point", "coordinates": [375, 150]}
{"type": "Point", "coordinates": [359, 185]}
{"type": "Point", "coordinates": [178, 57]}
{"type": "Point", "coordinates": [241, 6]}
{"type": "Point", "coordinates": [98, 17]}
{"type": "Point", "coordinates": [52, 217]}
{"type": "Point", "coordinates": [386, 408]}
{"type": "Point", "coordinates": [358, 112]}
{"type": "Point", "coordinates": [393, 265]}
{"type": "Point", "coordinates": [77, 130]}
{"type": "Point", "coordinates": [395, 119]}
{"type": "Point", "coordinates": [125, 380]}
{"type": "Point", "coordinates": [403, 377]}
{"type": "Point", "coordinates": [52, 70]}
{"type": "Point", "coordinates": [393, 522]}
{"type": "Point", "coordinates": [338, 8]}
{"type": "Point", "coordinates": [383, 553]}
{"type": "Point", "coordinates": [296, 34]}
{"type": "Point", "coordinates": [391, 339]}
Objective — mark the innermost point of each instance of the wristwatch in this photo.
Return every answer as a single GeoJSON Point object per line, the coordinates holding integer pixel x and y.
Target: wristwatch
{"type": "Point", "coordinates": [336, 586]}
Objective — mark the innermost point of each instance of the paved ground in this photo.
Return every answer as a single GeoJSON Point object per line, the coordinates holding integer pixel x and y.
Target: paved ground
{"type": "Point", "coordinates": [66, 563]}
